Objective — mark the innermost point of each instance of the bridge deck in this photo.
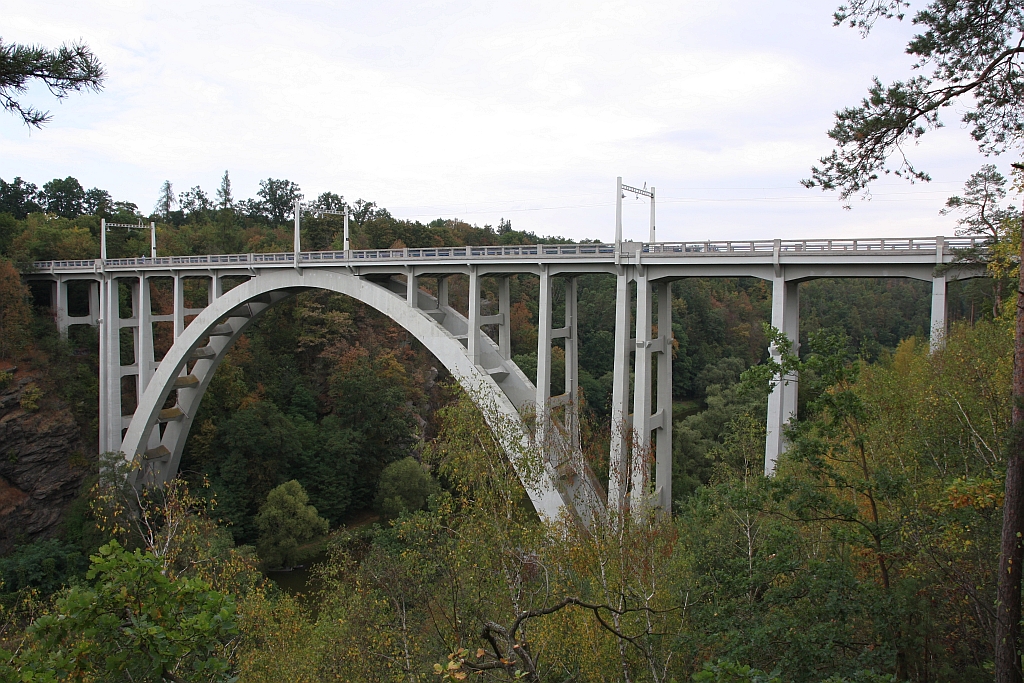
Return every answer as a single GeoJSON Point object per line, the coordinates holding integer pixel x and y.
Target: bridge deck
{"type": "Point", "coordinates": [893, 250]}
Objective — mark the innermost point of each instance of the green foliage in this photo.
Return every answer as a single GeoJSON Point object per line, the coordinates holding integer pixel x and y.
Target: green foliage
{"type": "Point", "coordinates": [70, 68]}
{"type": "Point", "coordinates": [732, 672]}
{"type": "Point", "coordinates": [45, 565]}
{"type": "Point", "coordinates": [965, 54]}
{"type": "Point", "coordinates": [130, 623]}
{"type": "Point", "coordinates": [30, 395]}
{"type": "Point", "coordinates": [286, 521]}
{"type": "Point", "coordinates": [64, 198]}
{"type": "Point", "coordinates": [15, 314]}
{"type": "Point", "coordinates": [404, 487]}
{"type": "Point", "coordinates": [17, 198]}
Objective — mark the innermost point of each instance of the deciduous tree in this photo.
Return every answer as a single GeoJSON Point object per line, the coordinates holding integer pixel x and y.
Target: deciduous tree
{"type": "Point", "coordinates": [278, 197]}
{"type": "Point", "coordinates": [18, 198]}
{"type": "Point", "coordinates": [131, 622]}
{"type": "Point", "coordinates": [65, 198]}
{"type": "Point", "coordinates": [286, 521]}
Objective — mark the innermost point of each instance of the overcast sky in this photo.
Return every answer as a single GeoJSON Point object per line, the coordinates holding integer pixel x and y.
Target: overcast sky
{"type": "Point", "coordinates": [483, 110]}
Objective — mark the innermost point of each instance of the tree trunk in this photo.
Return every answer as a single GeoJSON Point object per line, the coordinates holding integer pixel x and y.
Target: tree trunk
{"type": "Point", "coordinates": [1008, 668]}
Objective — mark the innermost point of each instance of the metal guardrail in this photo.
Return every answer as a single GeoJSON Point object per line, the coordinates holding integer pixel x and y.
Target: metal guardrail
{"type": "Point", "coordinates": [533, 251]}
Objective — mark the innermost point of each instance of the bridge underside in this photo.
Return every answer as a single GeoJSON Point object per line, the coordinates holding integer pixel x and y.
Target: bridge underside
{"type": "Point", "coordinates": [544, 447]}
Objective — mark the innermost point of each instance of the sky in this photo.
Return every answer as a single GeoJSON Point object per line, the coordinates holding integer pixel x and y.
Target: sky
{"type": "Point", "coordinates": [526, 111]}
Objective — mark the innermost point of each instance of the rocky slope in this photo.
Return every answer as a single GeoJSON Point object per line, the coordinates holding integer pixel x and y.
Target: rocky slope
{"type": "Point", "coordinates": [42, 466]}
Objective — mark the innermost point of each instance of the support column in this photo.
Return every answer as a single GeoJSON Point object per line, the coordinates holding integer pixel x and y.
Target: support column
{"type": "Point", "coordinates": [543, 354]}
{"type": "Point", "coordinates": [110, 367]}
{"type": "Point", "coordinates": [473, 340]}
{"type": "Point", "coordinates": [572, 364]}
{"type": "Point", "coordinates": [412, 289]}
{"type": "Point", "coordinates": [179, 305]}
{"type": "Point", "coordinates": [617, 465]}
{"type": "Point", "coordinates": [505, 312]}
{"type": "Point", "coordinates": [216, 286]}
{"type": "Point", "coordinates": [145, 357]}
{"type": "Point", "coordinates": [939, 312]}
{"type": "Point", "coordinates": [937, 331]}
{"type": "Point", "coordinates": [782, 401]}
{"type": "Point", "coordinates": [442, 293]}
{"type": "Point", "coordinates": [59, 300]}
{"type": "Point", "coordinates": [95, 311]}
{"type": "Point", "coordinates": [662, 418]}
{"type": "Point", "coordinates": [642, 385]}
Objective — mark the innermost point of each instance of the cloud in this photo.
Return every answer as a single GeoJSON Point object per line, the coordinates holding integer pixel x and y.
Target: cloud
{"type": "Point", "coordinates": [478, 109]}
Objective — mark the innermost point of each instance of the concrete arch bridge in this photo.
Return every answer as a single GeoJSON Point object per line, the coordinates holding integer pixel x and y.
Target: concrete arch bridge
{"type": "Point", "coordinates": [548, 456]}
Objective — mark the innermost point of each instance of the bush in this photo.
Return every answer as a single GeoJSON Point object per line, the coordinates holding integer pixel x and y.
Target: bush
{"type": "Point", "coordinates": [30, 396]}
{"type": "Point", "coordinates": [45, 565]}
{"type": "Point", "coordinates": [130, 622]}
{"type": "Point", "coordinates": [404, 486]}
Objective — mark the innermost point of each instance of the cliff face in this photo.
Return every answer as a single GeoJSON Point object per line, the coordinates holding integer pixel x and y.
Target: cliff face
{"type": "Point", "coordinates": [41, 466]}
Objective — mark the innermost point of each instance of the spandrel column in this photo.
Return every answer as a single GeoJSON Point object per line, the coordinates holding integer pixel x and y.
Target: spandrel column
{"type": "Point", "coordinates": [618, 458]}
{"type": "Point", "coordinates": [642, 386]}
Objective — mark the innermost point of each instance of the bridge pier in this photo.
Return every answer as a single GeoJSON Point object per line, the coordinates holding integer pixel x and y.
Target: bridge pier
{"type": "Point", "coordinates": [110, 367]}
{"type": "Point", "coordinates": [618, 462]}
{"type": "Point", "coordinates": [937, 331]}
{"type": "Point", "coordinates": [782, 402]}
{"type": "Point", "coordinates": [939, 311]}
{"type": "Point", "coordinates": [652, 410]}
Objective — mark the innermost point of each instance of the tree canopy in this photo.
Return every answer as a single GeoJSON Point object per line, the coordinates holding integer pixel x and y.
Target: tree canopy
{"type": "Point", "coordinates": [967, 54]}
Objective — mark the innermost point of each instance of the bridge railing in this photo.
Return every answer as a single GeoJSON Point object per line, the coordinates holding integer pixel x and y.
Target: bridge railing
{"type": "Point", "coordinates": [821, 246]}
{"type": "Point", "coordinates": [531, 251]}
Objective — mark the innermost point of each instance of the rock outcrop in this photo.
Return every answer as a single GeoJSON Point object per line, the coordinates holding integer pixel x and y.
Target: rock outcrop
{"type": "Point", "coordinates": [42, 466]}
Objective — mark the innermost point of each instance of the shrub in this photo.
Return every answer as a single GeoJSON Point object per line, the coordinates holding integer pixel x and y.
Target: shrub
{"type": "Point", "coordinates": [404, 486]}
{"type": "Point", "coordinates": [30, 396]}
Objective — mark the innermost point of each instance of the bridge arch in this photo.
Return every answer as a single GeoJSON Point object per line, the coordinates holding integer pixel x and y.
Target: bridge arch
{"type": "Point", "coordinates": [230, 314]}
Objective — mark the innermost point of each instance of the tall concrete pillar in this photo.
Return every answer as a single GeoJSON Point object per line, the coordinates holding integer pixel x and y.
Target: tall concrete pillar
{"type": "Point", "coordinates": [110, 364]}
{"type": "Point", "coordinates": [572, 363]}
{"type": "Point", "coordinates": [59, 302]}
{"type": "Point", "coordinates": [618, 459]}
{"type": "Point", "coordinates": [938, 327]}
{"type": "Point", "coordinates": [145, 358]}
{"type": "Point", "coordinates": [662, 418]}
{"type": "Point", "coordinates": [939, 312]}
{"type": "Point", "coordinates": [144, 316]}
{"type": "Point", "coordinates": [640, 470]}
{"type": "Point", "coordinates": [543, 354]}
{"type": "Point", "coordinates": [782, 401]}
{"type": "Point", "coordinates": [95, 312]}
{"type": "Point", "coordinates": [473, 340]}
{"type": "Point", "coordinates": [178, 298]}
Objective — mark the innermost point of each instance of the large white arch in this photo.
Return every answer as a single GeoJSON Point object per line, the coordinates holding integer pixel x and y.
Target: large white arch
{"type": "Point", "coordinates": [228, 316]}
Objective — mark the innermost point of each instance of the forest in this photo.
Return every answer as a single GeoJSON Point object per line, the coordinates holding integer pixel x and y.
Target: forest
{"type": "Point", "coordinates": [330, 438]}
